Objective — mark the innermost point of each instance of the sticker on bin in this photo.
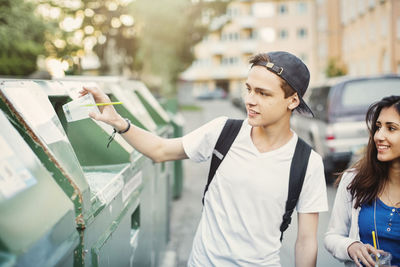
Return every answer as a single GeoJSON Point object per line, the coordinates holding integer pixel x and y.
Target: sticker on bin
{"type": "Point", "coordinates": [80, 108]}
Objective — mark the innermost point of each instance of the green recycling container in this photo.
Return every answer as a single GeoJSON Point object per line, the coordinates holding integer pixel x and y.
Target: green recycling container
{"type": "Point", "coordinates": [106, 186]}
{"type": "Point", "coordinates": [164, 128]}
{"type": "Point", "coordinates": [155, 196]}
{"type": "Point", "coordinates": [177, 122]}
{"type": "Point", "coordinates": [37, 222]}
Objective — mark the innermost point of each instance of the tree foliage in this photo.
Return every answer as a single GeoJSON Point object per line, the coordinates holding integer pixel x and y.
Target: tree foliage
{"type": "Point", "coordinates": [154, 39]}
{"type": "Point", "coordinates": [334, 68]}
{"type": "Point", "coordinates": [22, 35]}
{"type": "Point", "coordinates": [168, 31]}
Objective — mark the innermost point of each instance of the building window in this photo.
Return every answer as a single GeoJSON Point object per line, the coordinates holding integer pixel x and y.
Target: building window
{"type": "Point", "coordinates": [373, 65]}
{"type": "Point", "coordinates": [233, 60]}
{"type": "Point", "coordinates": [302, 33]}
{"type": "Point", "coordinates": [302, 8]}
{"type": "Point", "coordinates": [384, 27]}
{"type": "Point", "coordinates": [229, 12]}
{"type": "Point", "coordinates": [282, 9]}
{"type": "Point", "coordinates": [223, 37]}
{"type": "Point", "coordinates": [345, 12]}
{"type": "Point", "coordinates": [398, 29]}
{"type": "Point", "coordinates": [385, 63]}
{"type": "Point", "coordinates": [229, 61]}
{"type": "Point", "coordinates": [372, 31]}
{"type": "Point", "coordinates": [362, 6]}
{"type": "Point", "coordinates": [283, 34]}
{"type": "Point", "coordinates": [232, 36]}
{"type": "Point", "coordinates": [322, 50]}
{"type": "Point", "coordinates": [253, 35]}
{"type": "Point", "coordinates": [322, 24]}
{"type": "Point", "coordinates": [371, 3]}
{"type": "Point", "coordinates": [233, 12]}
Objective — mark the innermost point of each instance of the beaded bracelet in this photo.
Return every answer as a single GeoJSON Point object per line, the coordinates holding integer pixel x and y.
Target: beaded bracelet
{"type": "Point", "coordinates": [111, 138]}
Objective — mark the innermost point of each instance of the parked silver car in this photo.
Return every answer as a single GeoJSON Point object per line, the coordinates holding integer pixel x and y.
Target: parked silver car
{"type": "Point", "coordinates": [338, 129]}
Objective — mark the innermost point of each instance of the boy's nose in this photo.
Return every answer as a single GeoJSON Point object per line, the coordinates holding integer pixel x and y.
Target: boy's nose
{"type": "Point", "coordinates": [249, 99]}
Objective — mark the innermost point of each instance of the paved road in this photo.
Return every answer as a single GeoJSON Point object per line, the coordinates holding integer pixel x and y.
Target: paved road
{"type": "Point", "coordinates": [186, 211]}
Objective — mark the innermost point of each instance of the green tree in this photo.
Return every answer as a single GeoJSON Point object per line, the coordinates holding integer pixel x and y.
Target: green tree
{"type": "Point", "coordinates": [22, 34]}
{"type": "Point", "coordinates": [82, 26]}
{"type": "Point", "coordinates": [334, 68]}
{"type": "Point", "coordinates": [167, 32]}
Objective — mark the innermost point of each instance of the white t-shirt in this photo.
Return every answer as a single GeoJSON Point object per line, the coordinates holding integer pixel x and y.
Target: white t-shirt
{"type": "Point", "coordinates": [245, 202]}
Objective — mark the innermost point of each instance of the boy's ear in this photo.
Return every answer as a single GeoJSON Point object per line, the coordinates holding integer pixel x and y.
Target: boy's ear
{"type": "Point", "coordinates": [294, 101]}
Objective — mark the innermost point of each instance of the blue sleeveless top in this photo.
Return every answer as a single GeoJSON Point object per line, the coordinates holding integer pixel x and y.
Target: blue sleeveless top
{"type": "Point", "coordinates": [387, 227]}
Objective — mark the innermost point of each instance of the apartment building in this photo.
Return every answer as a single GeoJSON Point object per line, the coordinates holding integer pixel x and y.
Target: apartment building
{"type": "Point", "coordinates": [250, 27]}
{"type": "Point", "coordinates": [371, 36]}
{"type": "Point", "coordinates": [329, 37]}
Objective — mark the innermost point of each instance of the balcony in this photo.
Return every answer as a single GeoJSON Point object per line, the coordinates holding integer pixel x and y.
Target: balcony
{"type": "Point", "coordinates": [246, 22]}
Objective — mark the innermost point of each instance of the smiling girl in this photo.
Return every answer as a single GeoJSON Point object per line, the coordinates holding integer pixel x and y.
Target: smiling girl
{"type": "Point", "coordinates": [368, 196]}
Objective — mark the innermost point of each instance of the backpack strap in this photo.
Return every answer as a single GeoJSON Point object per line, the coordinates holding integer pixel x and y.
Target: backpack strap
{"type": "Point", "coordinates": [298, 170]}
{"type": "Point", "coordinates": [225, 140]}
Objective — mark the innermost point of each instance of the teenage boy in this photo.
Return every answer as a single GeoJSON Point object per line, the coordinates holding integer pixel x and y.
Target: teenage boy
{"type": "Point", "coordinates": [244, 204]}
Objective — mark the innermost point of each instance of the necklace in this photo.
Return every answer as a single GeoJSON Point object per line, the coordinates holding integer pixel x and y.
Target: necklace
{"type": "Point", "coordinates": [393, 205]}
{"type": "Point", "coordinates": [376, 231]}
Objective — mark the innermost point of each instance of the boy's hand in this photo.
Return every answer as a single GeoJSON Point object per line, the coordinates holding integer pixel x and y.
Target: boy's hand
{"type": "Point", "coordinates": [108, 114]}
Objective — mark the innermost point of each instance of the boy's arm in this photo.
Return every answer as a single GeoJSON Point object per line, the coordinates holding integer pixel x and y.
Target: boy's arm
{"type": "Point", "coordinates": [157, 148]}
{"type": "Point", "coordinates": [306, 243]}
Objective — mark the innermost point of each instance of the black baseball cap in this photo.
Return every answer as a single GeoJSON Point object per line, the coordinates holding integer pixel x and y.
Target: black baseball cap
{"type": "Point", "coordinates": [293, 70]}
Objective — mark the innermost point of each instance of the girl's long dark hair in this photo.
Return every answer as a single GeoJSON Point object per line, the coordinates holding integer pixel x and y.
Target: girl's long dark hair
{"type": "Point", "coordinates": [371, 174]}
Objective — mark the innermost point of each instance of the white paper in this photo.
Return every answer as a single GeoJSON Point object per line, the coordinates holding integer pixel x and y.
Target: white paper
{"type": "Point", "coordinates": [77, 109]}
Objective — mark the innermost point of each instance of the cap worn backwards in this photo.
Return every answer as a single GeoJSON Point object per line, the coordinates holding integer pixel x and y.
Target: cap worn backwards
{"type": "Point", "coordinates": [293, 71]}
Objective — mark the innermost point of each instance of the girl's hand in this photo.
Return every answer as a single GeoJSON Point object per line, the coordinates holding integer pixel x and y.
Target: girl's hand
{"type": "Point", "coordinates": [108, 114]}
{"type": "Point", "coordinates": [360, 252]}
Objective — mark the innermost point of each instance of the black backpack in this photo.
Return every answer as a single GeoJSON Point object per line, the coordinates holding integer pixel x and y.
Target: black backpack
{"type": "Point", "coordinates": [298, 167]}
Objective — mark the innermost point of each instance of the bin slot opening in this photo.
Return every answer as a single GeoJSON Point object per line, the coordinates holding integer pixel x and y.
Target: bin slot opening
{"type": "Point", "coordinates": [135, 219]}
{"type": "Point", "coordinates": [135, 226]}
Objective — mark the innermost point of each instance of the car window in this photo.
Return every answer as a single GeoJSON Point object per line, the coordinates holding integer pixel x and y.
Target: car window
{"type": "Point", "coordinates": [318, 102]}
{"type": "Point", "coordinates": [365, 92]}
{"type": "Point", "coordinates": [353, 98]}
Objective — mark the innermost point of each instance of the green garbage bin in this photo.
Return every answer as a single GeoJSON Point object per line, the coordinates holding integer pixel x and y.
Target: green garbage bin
{"type": "Point", "coordinates": [104, 185]}
{"type": "Point", "coordinates": [155, 193]}
{"type": "Point", "coordinates": [37, 222]}
{"type": "Point", "coordinates": [177, 122]}
{"type": "Point", "coordinates": [165, 171]}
